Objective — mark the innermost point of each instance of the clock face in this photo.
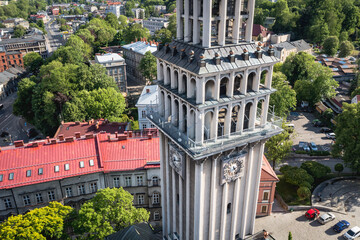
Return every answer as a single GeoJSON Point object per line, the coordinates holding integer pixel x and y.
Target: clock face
{"type": "Point", "coordinates": [232, 169]}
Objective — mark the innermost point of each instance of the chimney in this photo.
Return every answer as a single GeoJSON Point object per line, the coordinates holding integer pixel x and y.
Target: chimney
{"type": "Point", "coordinates": [19, 143]}
{"type": "Point", "coordinates": [53, 141]}
{"type": "Point", "coordinates": [217, 59]}
{"type": "Point", "coordinates": [89, 136]}
{"type": "Point", "coordinates": [47, 139]}
{"type": "Point", "coordinates": [191, 56]}
{"type": "Point", "coordinates": [61, 137]}
{"type": "Point", "coordinates": [271, 51]}
{"type": "Point", "coordinates": [174, 51]}
{"type": "Point", "coordinates": [116, 134]}
{"type": "Point", "coordinates": [258, 53]}
{"type": "Point", "coordinates": [122, 137]}
{"type": "Point", "coordinates": [167, 48]}
{"type": "Point", "coordinates": [130, 133]}
{"type": "Point", "coordinates": [108, 137]}
{"type": "Point", "coordinates": [147, 90]}
{"type": "Point", "coordinates": [77, 134]}
{"type": "Point", "coordinates": [245, 54]}
{"type": "Point", "coordinates": [149, 135]}
{"type": "Point", "coordinates": [35, 144]}
{"type": "Point", "coordinates": [69, 139]}
{"type": "Point", "coordinates": [231, 56]}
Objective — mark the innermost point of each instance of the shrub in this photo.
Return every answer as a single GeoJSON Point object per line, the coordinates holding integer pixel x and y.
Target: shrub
{"type": "Point", "coordinates": [305, 184]}
{"type": "Point", "coordinates": [315, 169]}
{"type": "Point", "coordinates": [339, 167]}
{"type": "Point", "coordinates": [301, 152]}
{"type": "Point", "coordinates": [297, 176]}
{"type": "Point", "coordinates": [285, 168]}
{"type": "Point", "coordinates": [320, 153]}
{"type": "Point", "coordinates": [303, 192]}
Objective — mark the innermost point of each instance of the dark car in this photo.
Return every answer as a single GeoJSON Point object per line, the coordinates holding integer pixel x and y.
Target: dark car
{"type": "Point", "coordinates": [325, 130]}
{"type": "Point", "coordinates": [4, 134]}
{"type": "Point", "coordinates": [32, 133]}
{"type": "Point", "coordinates": [341, 226]}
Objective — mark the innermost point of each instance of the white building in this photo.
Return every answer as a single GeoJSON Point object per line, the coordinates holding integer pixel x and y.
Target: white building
{"type": "Point", "coordinates": [117, 10]}
{"type": "Point", "coordinates": [147, 100]}
{"type": "Point", "coordinates": [160, 9]}
{"type": "Point", "coordinates": [115, 67]}
{"type": "Point", "coordinates": [214, 121]}
{"type": "Point", "coordinates": [154, 24]}
{"type": "Point", "coordinates": [138, 12]}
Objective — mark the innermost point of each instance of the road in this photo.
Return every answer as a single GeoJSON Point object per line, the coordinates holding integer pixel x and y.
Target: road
{"type": "Point", "coordinates": [10, 123]}
{"type": "Point", "coordinates": [54, 36]}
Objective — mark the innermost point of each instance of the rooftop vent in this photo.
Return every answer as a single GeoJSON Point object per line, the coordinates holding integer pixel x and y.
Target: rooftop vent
{"type": "Point", "coordinates": [202, 62]}
{"type": "Point", "coordinates": [53, 141]}
{"type": "Point", "coordinates": [182, 54]}
{"type": "Point", "coordinates": [174, 51]}
{"type": "Point", "coordinates": [217, 59]}
{"type": "Point", "coordinates": [77, 134]}
{"type": "Point", "coordinates": [89, 136]}
{"type": "Point", "coordinates": [61, 137]}
{"type": "Point", "coordinates": [19, 143]}
{"type": "Point", "coordinates": [69, 139]}
{"type": "Point", "coordinates": [245, 54]}
{"type": "Point", "coordinates": [231, 56]}
{"type": "Point", "coordinates": [147, 90]}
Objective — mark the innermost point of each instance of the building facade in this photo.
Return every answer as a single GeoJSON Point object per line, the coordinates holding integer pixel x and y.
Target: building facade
{"type": "Point", "coordinates": [115, 67]}
{"type": "Point", "coordinates": [35, 43]}
{"type": "Point", "coordinates": [160, 9]}
{"type": "Point", "coordinates": [133, 53]}
{"type": "Point", "coordinates": [138, 12]}
{"type": "Point", "coordinates": [214, 121]}
{"type": "Point", "coordinates": [77, 168]}
{"type": "Point", "coordinates": [154, 24]}
{"type": "Point", "coordinates": [117, 10]}
{"type": "Point", "coordinates": [10, 59]}
{"type": "Point", "coordinates": [147, 100]}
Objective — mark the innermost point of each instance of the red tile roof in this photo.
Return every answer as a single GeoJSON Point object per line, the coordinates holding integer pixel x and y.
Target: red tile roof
{"type": "Point", "coordinates": [70, 128]}
{"type": "Point", "coordinates": [138, 153]}
{"type": "Point", "coordinates": [260, 30]}
{"type": "Point", "coordinates": [267, 173]}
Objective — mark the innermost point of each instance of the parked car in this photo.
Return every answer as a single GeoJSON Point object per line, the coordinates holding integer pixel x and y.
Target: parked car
{"type": "Point", "coordinates": [318, 123]}
{"type": "Point", "coordinates": [32, 133]}
{"type": "Point", "coordinates": [325, 130]}
{"type": "Point", "coordinates": [341, 226]}
{"type": "Point", "coordinates": [313, 146]}
{"type": "Point", "coordinates": [304, 146]}
{"type": "Point", "coordinates": [4, 134]}
{"type": "Point", "coordinates": [352, 233]}
{"type": "Point", "coordinates": [312, 213]}
{"type": "Point", "coordinates": [326, 217]}
{"type": "Point", "coordinates": [330, 135]}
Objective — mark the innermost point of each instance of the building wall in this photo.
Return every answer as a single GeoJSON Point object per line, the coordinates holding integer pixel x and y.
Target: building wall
{"type": "Point", "coordinates": [143, 121]}
{"type": "Point", "coordinates": [265, 198]}
{"type": "Point", "coordinates": [132, 60]}
{"type": "Point", "coordinates": [8, 60]}
{"type": "Point", "coordinates": [26, 47]}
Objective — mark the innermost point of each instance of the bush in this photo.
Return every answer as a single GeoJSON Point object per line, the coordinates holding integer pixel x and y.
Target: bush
{"type": "Point", "coordinates": [303, 192]}
{"type": "Point", "coordinates": [285, 168]}
{"type": "Point", "coordinates": [315, 169]}
{"type": "Point", "coordinates": [301, 152]}
{"type": "Point", "coordinates": [297, 176]}
{"type": "Point", "coordinates": [320, 153]}
{"type": "Point", "coordinates": [290, 236]}
{"type": "Point", "coordinates": [339, 167]}
{"type": "Point", "coordinates": [305, 184]}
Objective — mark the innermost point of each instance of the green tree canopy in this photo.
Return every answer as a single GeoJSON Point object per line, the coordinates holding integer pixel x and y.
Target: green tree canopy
{"type": "Point", "coordinates": [331, 45]}
{"type": "Point", "coordinates": [347, 136]}
{"type": "Point", "coordinates": [19, 31]}
{"type": "Point", "coordinates": [296, 176]}
{"type": "Point", "coordinates": [33, 61]}
{"type": "Point", "coordinates": [346, 48]}
{"type": "Point", "coordinates": [172, 25]}
{"type": "Point", "coordinates": [339, 167]}
{"type": "Point", "coordinates": [297, 66]}
{"type": "Point", "coordinates": [148, 67]}
{"type": "Point", "coordinates": [112, 20]}
{"type": "Point", "coordinates": [284, 99]}
{"type": "Point", "coordinates": [163, 35]}
{"type": "Point", "coordinates": [110, 210]}
{"type": "Point", "coordinates": [303, 192]}
{"type": "Point", "coordinates": [315, 169]}
{"type": "Point", "coordinates": [135, 31]}
{"type": "Point", "coordinates": [41, 223]}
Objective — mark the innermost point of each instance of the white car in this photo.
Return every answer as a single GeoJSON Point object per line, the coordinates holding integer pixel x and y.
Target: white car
{"type": "Point", "coordinates": [330, 135]}
{"type": "Point", "coordinates": [352, 233]}
{"type": "Point", "coordinates": [327, 217]}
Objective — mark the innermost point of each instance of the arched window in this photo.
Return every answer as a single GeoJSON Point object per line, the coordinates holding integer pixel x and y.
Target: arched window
{"type": "Point", "coordinates": [155, 181]}
{"type": "Point", "coordinates": [247, 115]}
{"type": "Point", "coordinates": [184, 84]}
{"type": "Point", "coordinates": [234, 118]}
{"type": "Point", "coordinates": [209, 90]}
{"type": "Point", "coordinates": [208, 125]}
{"type": "Point", "coordinates": [223, 86]}
{"type": "Point", "coordinates": [192, 93]}
{"type": "Point", "coordinates": [176, 79]}
{"type": "Point", "coordinates": [237, 85]}
{"type": "Point", "coordinates": [221, 122]}
{"type": "Point", "coordinates": [250, 82]}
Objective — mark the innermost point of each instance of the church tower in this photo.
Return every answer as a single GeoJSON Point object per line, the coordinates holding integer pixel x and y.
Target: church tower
{"type": "Point", "coordinates": [214, 90]}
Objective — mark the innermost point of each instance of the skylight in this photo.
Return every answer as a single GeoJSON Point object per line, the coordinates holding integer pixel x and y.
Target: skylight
{"type": "Point", "coordinates": [57, 168]}
{"type": "Point", "coordinates": [28, 173]}
{"type": "Point", "coordinates": [82, 164]}
{"type": "Point", "coordinates": [67, 167]}
{"type": "Point", "coordinates": [11, 176]}
{"type": "Point", "coordinates": [40, 171]}
{"type": "Point", "coordinates": [91, 162]}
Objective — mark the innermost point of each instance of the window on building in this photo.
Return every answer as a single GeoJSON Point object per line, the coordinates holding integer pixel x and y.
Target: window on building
{"type": "Point", "coordinates": [116, 182]}
{"type": "Point", "coordinates": [144, 126]}
{"type": "Point", "coordinates": [139, 180]}
{"type": "Point", "coordinates": [228, 209]}
{"type": "Point", "coordinates": [11, 176]}
{"type": "Point", "coordinates": [143, 114]}
{"type": "Point", "coordinates": [68, 192]}
{"type": "Point", "coordinates": [51, 195]}
{"type": "Point", "coordinates": [152, 126]}
{"type": "Point", "coordinates": [26, 199]}
{"type": "Point", "coordinates": [91, 162]}
{"type": "Point", "coordinates": [57, 168]}
{"type": "Point", "coordinates": [266, 195]}
{"type": "Point", "coordinates": [116, 79]}
{"type": "Point", "coordinates": [156, 216]}
{"type": "Point", "coordinates": [155, 181]}
{"type": "Point", "coordinates": [81, 189]}
{"type": "Point", "coordinates": [40, 171]}
{"type": "Point", "coordinates": [67, 167]}
{"type": "Point", "coordinates": [7, 203]}
{"type": "Point", "coordinates": [1, 177]}
{"type": "Point", "coordinates": [156, 198]}
{"type": "Point", "coordinates": [93, 187]}
{"type": "Point", "coordinates": [128, 181]}
{"type": "Point", "coordinates": [81, 164]}
{"type": "Point", "coordinates": [141, 199]}
{"type": "Point", "coordinates": [264, 209]}
{"type": "Point", "coordinates": [39, 198]}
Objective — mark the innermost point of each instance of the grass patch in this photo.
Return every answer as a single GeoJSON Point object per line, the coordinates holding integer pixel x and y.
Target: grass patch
{"type": "Point", "coordinates": [288, 192]}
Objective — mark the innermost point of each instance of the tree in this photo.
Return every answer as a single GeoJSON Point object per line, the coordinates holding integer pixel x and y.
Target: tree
{"type": "Point", "coordinates": [331, 45]}
{"type": "Point", "coordinates": [148, 67]}
{"type": "Point", "coordinates": [303, 193]}
{"type": "Point", "coordinates": [123, 21]}
{"type": "Point", "coordinates": [347, 136]}
{"type": "Point", "coordinates": [163, 35]}
{"type": "Point", "coordinates": [41, 223]}
{"type": "Point", "coordinates": [23, 103]}
{"type": "Point", "coordinates": [278, 147]}
{"type": "Point", "coordinates": [297, 66]}
{"type": "Point", "coordinates": [172, 25]}
{"type": "Point", "coordinates": [135, 31]}
{"type": "Point", "coordinates": [112, 20]}
{"type": "Point", "coordinates": [319, 31]}
{"type": "Point", "coordinates": [284, 99]}
{"type": "Point", "coordinates": [110, 210]}
{"type": "Point", "coordinates": [346, 48]}
{"type": "Point", "coordinates": [355, 92]}
{"type": "Point", "coordinates": [19, 31]}
{"type": "Point", "coordinates": [315, 169]}
{"type": "Point", "coordinates": [296, 176]}
{"type": "Point", "coordinates": [33, 62]}
{"type": "Point", "coordinates": [339, 168]}
{"type": "Point", "coordinates": [290, 236]}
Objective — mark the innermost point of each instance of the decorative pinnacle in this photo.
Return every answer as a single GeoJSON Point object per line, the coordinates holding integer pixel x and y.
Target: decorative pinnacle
{"type": "Point", "coordinates": [217, 54]}
{"type": "Point", "coordinates": [231, 52]}
{"type": "Point", "coordinates": [191, 52]}
{"type": "Point", "coordinates": [245, 50]}
{"type": "Point", "coordinates": [202, 56]}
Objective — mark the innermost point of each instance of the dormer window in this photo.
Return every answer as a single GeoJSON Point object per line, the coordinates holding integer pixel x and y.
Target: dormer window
{"type": "Point", "coordinates": [67, 167]}
{"type": "Point", "coordinates": [91, 162]}
{"type": "Point", "coordinates": [57, 168]}
{"type": "Point", "coordinates": [28, 173]}
{"type": "Point", "coordinates": [11, 176]}
{"type": "Point", "coordinates": [81, 163]}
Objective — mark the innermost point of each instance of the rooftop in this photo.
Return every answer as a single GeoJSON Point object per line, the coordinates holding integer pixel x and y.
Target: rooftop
{"type": "Point", "coordinates": [149, 95]}
{"type": "Point", "coordinates": [69, 129]}
{"type": "Point", "coordinates": [108, 58]}
{"type": "Point", "coordinates": [141, 47]}
{"type": "Point", "coordinates": [55, 159]}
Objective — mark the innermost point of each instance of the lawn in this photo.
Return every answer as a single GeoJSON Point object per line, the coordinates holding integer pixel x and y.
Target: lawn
{"type": "Point", "coordinates": [288, 193]}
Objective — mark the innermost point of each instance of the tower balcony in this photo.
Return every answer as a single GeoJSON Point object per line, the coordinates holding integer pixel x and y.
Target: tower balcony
{"type": "Point", "coordinates": [208, 146]}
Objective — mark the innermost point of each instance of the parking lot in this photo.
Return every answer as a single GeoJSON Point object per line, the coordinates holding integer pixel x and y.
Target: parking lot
{"type": "Point", "coordinates": [279, 225]}
{"type": "Point", "coordinates": [305, 131]}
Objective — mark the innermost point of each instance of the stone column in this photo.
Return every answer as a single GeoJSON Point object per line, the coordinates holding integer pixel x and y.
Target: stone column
{"type": "Point", "coordinates": [222, 24]}
{"type": "Point", "coordinates": [174, 200]}
{"type": "Point", "coordinates": [163, 183]}
{"type": "Point", "coordinates": [235, 213]}
{"type": "Point", "coordinates": [180, 206]}
{"type": "Point", "coordinates": [264, 110]}
{"type": "Point", "coordinates": [179, 26]}
{"type": "Point", "coordinates": [181, 118]}
{"type": "Point", "coordinates": [199, 202]}
{"type": "Point", "coordinates": [250, 21]}
{"type": "Point", "coordinates": [269, 77]}
{"type": "Point", "coordinates": [158, 69]}
{"type": "Point", "coordinates": [200, 93]}
{"type": "Point", "coordinates": [214, 127]}
{"type": "Point", "coordinates": [241, 114]}
{"type": "Point", "coordinates": [257, 80]}
{"type": "Point", "coordinates": [188, 216]}
{"type": "Point", "coordinates": [230, 89]}
{"type": "Point", "coordinates": [253, 112]}
{"type": "Point", "coordinates": [223, 210]}
{"type": "Point", "coordinates": [237, 22]}
{"type": "Point", "coordinates": [180, 82]}
{"type": "Point", "coordinates": [227, 123]}
{"type": "Point", "coordinates": [196, 23]}
{"type": "Point", "coordinates": [217, 87]}
{"type": "Point", "coordinates": [187, 33]}
{"type": "Point", "coordinates": [199, 129]}
{"type": "Point", "coordinates": [167, 107]}
{"type": "Point", "coordinates": [206, 36]}
{"type": "Point", "coordinates": [172, 78]}
{"type": "Point", "coordinates": [213, 202]}
{"type": "Point", "coordinates": [168, 189]}
{"type": "Point", "coordinates": [243, 83]}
